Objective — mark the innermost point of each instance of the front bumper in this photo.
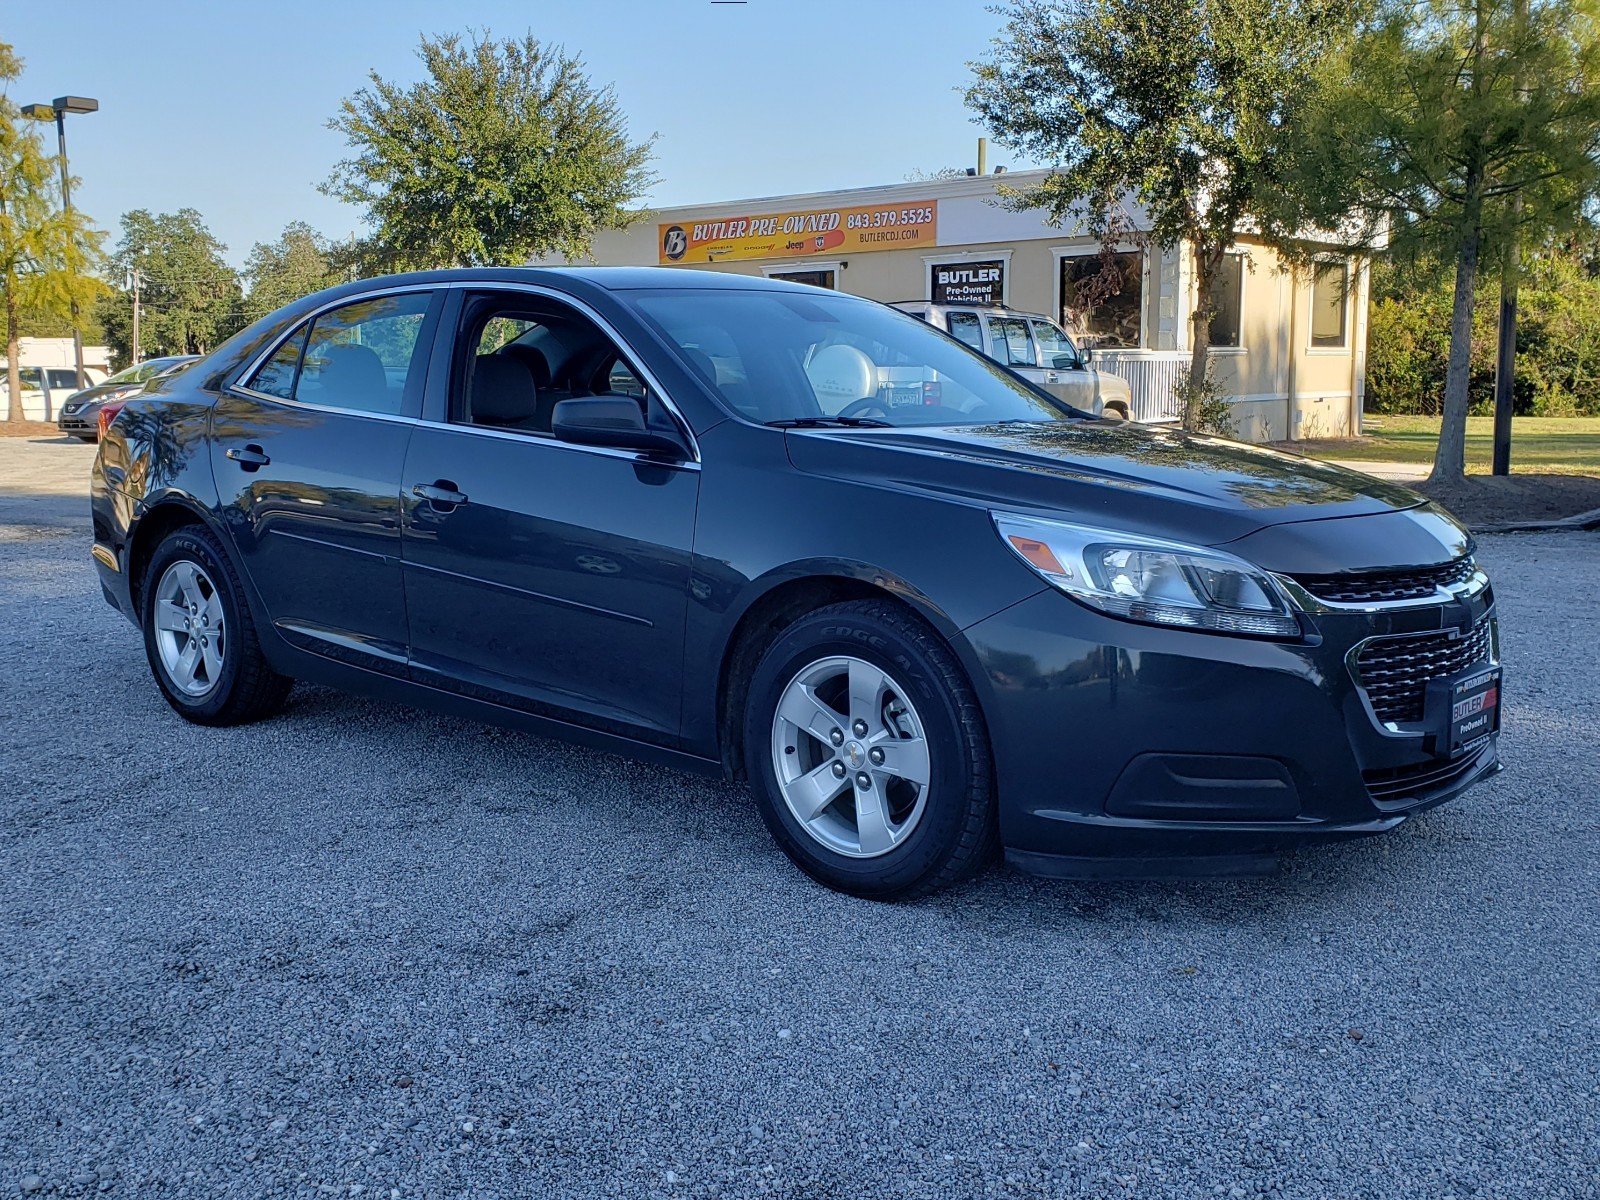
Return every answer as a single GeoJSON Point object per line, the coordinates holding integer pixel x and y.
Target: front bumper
{"type": "Point", "coordinates": [1131, 750]}
{"type": "Point", "coordinates": [80, 424]}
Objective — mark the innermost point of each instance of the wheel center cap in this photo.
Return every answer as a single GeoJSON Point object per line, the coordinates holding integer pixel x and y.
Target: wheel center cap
{"type": "Point", "coordinates": [855, 754]}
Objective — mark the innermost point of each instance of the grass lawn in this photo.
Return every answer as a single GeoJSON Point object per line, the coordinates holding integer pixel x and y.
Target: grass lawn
{"type": "Point", "coordinates": [1539, 445]}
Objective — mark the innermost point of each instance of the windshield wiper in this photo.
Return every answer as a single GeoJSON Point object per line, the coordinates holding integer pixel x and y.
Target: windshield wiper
{"type": "Point", "coordinates": [829, 423]}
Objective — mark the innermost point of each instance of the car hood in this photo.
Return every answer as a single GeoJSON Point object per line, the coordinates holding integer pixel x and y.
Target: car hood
{"type": "Point", "coordinates": [1140, 478]}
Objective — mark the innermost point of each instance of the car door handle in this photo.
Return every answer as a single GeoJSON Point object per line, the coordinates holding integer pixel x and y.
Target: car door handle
{"type": "Point", "coordinates": [441, 495]}
{"type": "Point", "coordinates": [251, 458]}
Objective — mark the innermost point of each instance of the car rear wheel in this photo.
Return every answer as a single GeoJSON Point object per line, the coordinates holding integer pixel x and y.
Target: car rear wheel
{"type": "Point", "coordinates": [868, 755]}
{"type": "Point", "coordinates": [198, 636]}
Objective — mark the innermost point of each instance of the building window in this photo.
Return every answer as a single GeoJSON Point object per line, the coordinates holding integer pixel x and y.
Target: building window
{"type": "Point", "coordinates": [1330, 285]}
{"type": "Point", "coordinates": [1102, 297]}
{"type": "Point", "coordinates": [1227, 300]}
{"type": "Point", "coordinates": [821, 279]}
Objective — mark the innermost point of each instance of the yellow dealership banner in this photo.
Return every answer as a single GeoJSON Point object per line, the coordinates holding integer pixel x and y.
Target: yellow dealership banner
{"type": "Point", "coordinates": [801, 234]}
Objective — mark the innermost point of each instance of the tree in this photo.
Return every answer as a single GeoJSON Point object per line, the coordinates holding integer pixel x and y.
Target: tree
{"type": "Point", "coordinates": [300, 262]}
{"type": "Point", "coordinates": [504, 152]}
{"type": "Point", "coordinates": [1181, 106]}
{"type": "Point", "coordinates": [1427, 131]}
{"type": "Point", "coordinates": [46, 252]}
{"type": "Point", "coordinates": [190, 296]}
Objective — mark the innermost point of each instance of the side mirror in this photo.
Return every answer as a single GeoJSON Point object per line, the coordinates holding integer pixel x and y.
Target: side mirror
{"type": "Point", "coordinates": [1086, 354]}
{"type": "Point", "coordinates": [616, 422]}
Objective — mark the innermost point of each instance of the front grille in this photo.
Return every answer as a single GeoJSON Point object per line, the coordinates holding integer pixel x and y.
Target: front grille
{"type": "Point", "coordinates": [1421, 780]}
{"type": "Point", "coordinates": [1394, 671]}
{"type": "Point", "coordinates": [1386, 587]}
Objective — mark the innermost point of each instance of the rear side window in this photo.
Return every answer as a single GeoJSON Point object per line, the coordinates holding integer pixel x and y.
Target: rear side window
{"type": "Point", "coordinates": [63, 378]}
{"type": "Point", "coordinates": [363, 357]}
{"type": "Point", "coordinates": [964, 326]}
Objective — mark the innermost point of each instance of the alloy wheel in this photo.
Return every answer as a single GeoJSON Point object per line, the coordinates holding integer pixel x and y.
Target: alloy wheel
{"type": "Point", "coordinates": [190, 629]}
{"type": "Point", "coordinates": [851, 757]}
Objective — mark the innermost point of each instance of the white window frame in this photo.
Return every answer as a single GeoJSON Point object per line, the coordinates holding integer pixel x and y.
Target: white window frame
{"type": "Point", "coordinates": [1311, 348]}
{"type": "Point", "coordinates": [806, 264]}
{"type": "Point", "coordinates": [929, 261]}
{"type": "Point", "coordinates": [1057, 253]}
{"type": "Point", "coordinates": [1245, 271]}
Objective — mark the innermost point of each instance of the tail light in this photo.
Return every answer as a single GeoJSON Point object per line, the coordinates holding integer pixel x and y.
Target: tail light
{"type": "Point", "coordinates": [108, 414]}
{"type": "Point", "coordinates": [930, 392]}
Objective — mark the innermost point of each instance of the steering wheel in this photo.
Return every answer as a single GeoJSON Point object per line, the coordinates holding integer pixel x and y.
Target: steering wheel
{"type": "Point", "coordinates": [861, 407]}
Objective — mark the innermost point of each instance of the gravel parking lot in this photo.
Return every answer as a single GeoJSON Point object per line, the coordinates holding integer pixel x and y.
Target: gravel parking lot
{"type": "Point", "coordinates": [365, 950]}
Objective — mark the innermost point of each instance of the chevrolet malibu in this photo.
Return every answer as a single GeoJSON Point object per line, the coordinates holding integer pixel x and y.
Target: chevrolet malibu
{"type": "Point", "coordinates": [630, 508]}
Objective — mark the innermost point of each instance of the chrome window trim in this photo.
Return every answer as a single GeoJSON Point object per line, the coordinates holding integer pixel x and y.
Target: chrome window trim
{"type": "Point", "coordinates": [533, 289]}
{"type": "Point", "coordinates": [479, 430]}
{"type": "Point", "coordinates": [542, 439]}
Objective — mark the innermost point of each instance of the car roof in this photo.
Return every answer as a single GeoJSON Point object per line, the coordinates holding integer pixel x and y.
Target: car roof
{"type": "Point", "coordinates": [611, 279]}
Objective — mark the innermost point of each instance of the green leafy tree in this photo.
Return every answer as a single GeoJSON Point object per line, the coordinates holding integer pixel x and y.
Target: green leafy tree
{"type": "Point", "coordinates": [46, 253]}
{"type": "Point", "coordinates": [504, 152]}
{"type": "Point", "coordinates": [1181, 106]}
{"type": "Point", "coordinates": [300, 262]}
{"type": "Point", "coordinates": [1454, 128]}
{"type": "Point", "coordinates": [190, 297]}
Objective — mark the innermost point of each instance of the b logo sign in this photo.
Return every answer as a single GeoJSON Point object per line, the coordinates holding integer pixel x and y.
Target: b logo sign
{"type": "Point", "coordinates": [675, 242]}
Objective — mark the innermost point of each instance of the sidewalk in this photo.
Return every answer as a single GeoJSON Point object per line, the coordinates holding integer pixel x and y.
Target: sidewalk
{"type": "Point", "coordinates": [1400, 472]}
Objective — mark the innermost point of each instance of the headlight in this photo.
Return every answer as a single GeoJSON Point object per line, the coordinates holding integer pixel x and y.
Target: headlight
{"type": "Point", "coordinates": [122, 393]}
{"type": "Point", "coordinates": [1150, 579]}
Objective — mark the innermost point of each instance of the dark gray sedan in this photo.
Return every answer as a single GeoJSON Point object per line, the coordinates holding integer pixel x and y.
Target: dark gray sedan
{"type": "Point", "coordinates": [80, 413]}
{"type": "Point", "coordinates": [639, 509]}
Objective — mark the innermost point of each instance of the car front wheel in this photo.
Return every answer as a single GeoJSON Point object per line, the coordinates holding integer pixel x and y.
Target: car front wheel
{"type": "Point", "coordinates": [868, 754]}
{"type": "Point", "coordinates": [198, 636]}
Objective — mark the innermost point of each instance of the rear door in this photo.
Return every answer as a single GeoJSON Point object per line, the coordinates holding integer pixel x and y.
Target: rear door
{"type": "Point", "coordinates": [307, 450]}
{"type": "Point", "coordinates": [539, 574]}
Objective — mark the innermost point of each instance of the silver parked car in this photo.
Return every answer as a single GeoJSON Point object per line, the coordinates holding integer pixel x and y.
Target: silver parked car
{"type": "Point", "coordinates": [1033, 346]}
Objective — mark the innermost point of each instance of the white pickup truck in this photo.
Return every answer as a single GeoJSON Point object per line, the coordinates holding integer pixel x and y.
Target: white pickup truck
{"type": "Point", "coordinates": [1036, 348]}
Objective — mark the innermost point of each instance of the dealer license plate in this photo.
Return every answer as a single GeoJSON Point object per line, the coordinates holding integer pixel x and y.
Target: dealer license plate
{"type": "Point", "coordinates": [1470, 705]}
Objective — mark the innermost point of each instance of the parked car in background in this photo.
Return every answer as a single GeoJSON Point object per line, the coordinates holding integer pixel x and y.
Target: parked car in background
{"type": "Point", "coordinates": [46, 390]}
{"type": "Point", "coordinates": [80, 412]}
{"type": "Point", "coordinates": [612, 505]}
{"type": "Point", "coordinates": [1036, 348]}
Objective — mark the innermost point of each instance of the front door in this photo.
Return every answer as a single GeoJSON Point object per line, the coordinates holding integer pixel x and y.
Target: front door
{"type": "Point", "coordinates": [1065, 374]}
{"type": "Point", "coordinates": [308, 453]}
{"type": "Point", "coordinates": [539, 574]}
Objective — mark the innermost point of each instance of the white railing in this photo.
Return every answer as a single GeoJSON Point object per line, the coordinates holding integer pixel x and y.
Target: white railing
{"type": "Point", "coordinates": [1153, 377]}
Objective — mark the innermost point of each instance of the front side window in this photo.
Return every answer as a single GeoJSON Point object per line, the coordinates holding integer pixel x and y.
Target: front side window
{"type": "Point", "coordinates": [1102, 297]}
{"type": "Point", "coordinates": [1012, 345]}
{"type": "Point", "coordinates": [776, 356]}
{"type": "Point", "coordinates": [1227, 301]}
{"type": "Point", "coordinates": [518, 357]}
{"type": "Point", "coordinates": [1330, 284]}
{"type": "Point", "coordinates": [1055, 348]}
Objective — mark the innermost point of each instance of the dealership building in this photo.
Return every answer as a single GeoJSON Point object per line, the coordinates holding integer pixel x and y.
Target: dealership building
{"type": "Point", "coordinates": [1288, 344]}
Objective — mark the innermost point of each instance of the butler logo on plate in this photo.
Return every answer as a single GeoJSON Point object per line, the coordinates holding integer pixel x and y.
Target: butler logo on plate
{"type": "Point", "coordinates": [802, 233]}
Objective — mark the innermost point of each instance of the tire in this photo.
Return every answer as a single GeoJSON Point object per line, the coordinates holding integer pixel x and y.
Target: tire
{"type": "Point", "coordinates": [1115, 412]}
{"type": "Point", "coordinates": [940, 832]}
{"type": "Point", "coordinates": [233, 686]}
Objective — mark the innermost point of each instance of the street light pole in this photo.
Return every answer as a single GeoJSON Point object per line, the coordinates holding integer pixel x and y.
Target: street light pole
{"type": "Point", "coordinates": [59, 109]}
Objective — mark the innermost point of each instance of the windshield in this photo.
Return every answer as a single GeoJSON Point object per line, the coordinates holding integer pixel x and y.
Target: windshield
{"type": "Point", "coordinates": [141, 372]}
{"type": "Point", "coordinates": [779, 356]}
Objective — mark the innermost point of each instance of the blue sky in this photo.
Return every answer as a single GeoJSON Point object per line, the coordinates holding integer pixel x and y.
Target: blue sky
{"type": "Point", "coordinates": [223, 106]}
